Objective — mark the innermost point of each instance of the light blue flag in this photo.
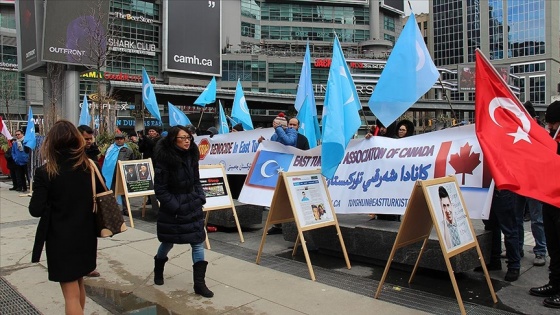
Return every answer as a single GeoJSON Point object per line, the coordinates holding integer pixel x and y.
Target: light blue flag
{"type": "Point", "coordinates": [110, 163]}
{"type": "Point", "coordinates": [208, 96]}
{"type": "Point", "coordinates": [307, 124]}
{"type": "Point", "coordinates": [223, 127]}
{"type": "Point", "coordinates": [305, 95]}
{"type": "Point", "coordinates": [177, 117]}
{"type": "Point", "coordinates": [341, 118]}
{"type": "Point", "coordinates": [240, 111]}
{"type": "Point", "coordinates": [85, 117]}
{"type": "Point", "coordinates": [149, 96]}
{"type": "Point", "coordinates": [30, 140]}
{"type": "Point", "coordinates": [408, 74]}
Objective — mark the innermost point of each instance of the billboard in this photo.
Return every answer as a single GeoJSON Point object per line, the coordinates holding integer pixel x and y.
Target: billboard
{"type": "Point", "coordinates": [29, 21]}
{"type": "Point", "coordinates": [466, 75]}
{"type": "Point", "coordinates": [74, 31]}
{"type": "Point", "coordinates": [195, 28]}
{"type": "Point", "coordinates": [395, 4]}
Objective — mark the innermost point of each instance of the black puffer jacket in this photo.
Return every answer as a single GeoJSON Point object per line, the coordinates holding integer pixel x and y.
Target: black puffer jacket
{"type": "Point", "coordinates": [178, 189]}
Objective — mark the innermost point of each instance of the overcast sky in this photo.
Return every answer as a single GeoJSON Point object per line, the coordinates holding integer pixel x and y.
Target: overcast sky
{"type": "Point", "coordinates": [418, 6]}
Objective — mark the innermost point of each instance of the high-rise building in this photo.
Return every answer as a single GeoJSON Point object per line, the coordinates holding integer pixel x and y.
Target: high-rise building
{"type": "Point", "coordinates": [520, 37]}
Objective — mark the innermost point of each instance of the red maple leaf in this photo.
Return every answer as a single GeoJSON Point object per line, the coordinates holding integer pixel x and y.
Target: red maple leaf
{"type": "Point", "coordinates": [464, 162]}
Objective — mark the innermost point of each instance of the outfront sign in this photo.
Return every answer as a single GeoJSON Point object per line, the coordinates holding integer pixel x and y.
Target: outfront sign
{"type": "Point", "coordinates": [70, 25]}
{"type": "Point", "coordinates": [195, 29]}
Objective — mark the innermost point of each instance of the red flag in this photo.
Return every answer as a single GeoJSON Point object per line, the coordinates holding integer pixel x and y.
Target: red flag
{"type": "Point", "coordinates": [520, 153]}
{"type": "Point", "coordinates": [4, 130]}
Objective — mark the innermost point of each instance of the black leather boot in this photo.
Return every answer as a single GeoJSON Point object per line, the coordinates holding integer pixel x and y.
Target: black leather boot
{"type": "Point", "coordinates": [199, 273]}
{"type": "Point", "coordinates": [158, 269]}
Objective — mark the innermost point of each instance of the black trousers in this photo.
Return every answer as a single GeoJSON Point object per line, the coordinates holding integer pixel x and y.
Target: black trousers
{"type": "Point", "coordinates": [551, 220]}
{"type": "Point", "coordinates": [21, 176]}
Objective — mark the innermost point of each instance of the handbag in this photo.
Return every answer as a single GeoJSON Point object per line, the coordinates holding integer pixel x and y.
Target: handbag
{"type": "Point", "coordinates": [108, 217]}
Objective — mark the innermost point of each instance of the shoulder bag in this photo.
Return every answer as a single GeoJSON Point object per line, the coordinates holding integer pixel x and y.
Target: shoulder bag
{"type": "Point", "coordinates": [108, 216]}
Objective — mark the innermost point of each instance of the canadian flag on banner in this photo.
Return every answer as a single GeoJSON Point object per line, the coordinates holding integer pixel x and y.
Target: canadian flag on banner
{"type": "Point", "coordinates": [520, 153]}
{"type": "Point", "coordinates": [4, 130]}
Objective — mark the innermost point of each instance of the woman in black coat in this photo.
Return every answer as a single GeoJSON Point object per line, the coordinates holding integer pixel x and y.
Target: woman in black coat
{"type": "Point", "coordinates": [179, 191]}
{"type": "Point", "coordinates": [63, 199]}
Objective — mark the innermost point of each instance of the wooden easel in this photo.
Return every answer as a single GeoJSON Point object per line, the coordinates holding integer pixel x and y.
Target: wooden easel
{"type": "Point", "coordinates": [218, 195]}
{"type": "Point", "coordinates": [419, 219]}
{"type": "Point", "coordinates": [286, 207]}
{"type": "Point", "coordinates": [138, 188]}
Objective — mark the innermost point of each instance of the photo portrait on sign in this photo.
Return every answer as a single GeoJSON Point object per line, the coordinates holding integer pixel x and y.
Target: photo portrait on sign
{"type": "Point", "coordinates": [311, 203]}
{"type": "Point", "coordinates": [451, 216]}
{"type": "Point", "coordinates": [130, 171]}
{"type": "Point", "coordinates": [144, 172]}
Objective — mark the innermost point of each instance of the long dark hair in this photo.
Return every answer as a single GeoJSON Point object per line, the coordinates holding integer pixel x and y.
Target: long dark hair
{"type": "Point", "coordinates": [64, 139]}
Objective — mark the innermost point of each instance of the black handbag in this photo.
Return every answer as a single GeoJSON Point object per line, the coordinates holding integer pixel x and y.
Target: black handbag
{"type": "Point", "coordinates": [108, 217]}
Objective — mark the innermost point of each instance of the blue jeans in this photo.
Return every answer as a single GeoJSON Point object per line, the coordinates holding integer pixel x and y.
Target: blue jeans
{"type": "Point", "coordinates": [197, 251]}
{"type": "Point", "coordinates": [503, 210]}
{"type": "Point", "coordinates": [537, 226]}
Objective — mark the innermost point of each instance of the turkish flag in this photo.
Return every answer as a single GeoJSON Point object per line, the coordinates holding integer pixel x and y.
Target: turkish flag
{"type": "Point", "coordinates": [520, 153]}
{"type": "Point", "coordinates": [4, 130]}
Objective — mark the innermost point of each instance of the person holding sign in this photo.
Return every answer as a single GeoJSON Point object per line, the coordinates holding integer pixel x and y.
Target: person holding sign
{"type": "Point", "coordinates": [179, 191]}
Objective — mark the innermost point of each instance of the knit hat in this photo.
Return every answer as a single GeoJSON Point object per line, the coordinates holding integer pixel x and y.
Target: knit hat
{"type": "Point", "coordinates": [119, 135]}
{"type": "Point", "coordinates": [280, 119]}
{"type": "Point", "coordinates": [553, 112]}
{"type": "Point", "coordinates": [212, 131]}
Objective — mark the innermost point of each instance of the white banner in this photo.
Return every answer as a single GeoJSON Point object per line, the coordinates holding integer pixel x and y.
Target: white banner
{"type": "Point", "coordinates": [377, 175]}
{"type": "Point", "coordinates": [234, 150]}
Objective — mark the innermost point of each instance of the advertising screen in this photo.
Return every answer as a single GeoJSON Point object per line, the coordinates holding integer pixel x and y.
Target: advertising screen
{"type": "Point", "coordinates": [75, 31]}
{"type": "Point", "coordinates": [466, 75]}
{"type": "Point", "coordinates": [29, 19]}
{"type": "Point", "coordinates": [192, 37]}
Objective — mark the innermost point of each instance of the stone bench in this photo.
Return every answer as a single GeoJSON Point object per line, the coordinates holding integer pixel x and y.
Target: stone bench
{"type": "Point", "coordinates": [371, 241]}
{"type": "Point", "coordinates": [248, 215]}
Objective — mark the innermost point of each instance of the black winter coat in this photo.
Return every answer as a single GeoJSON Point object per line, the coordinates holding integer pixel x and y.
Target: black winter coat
{"type": "Point", "coordinates": [67, 225]}
{"type": "Point", "coordinates": [178, 189]}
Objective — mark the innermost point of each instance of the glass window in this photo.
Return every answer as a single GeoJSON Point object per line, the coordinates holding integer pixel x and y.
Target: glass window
{"type": "Point", "coordinates": [526, 28]}
{"type": "Point", "coordinates": [537, 89]}
{"type": "Point", "coordinates": [389, 23]}
{"type": "Point", "coordinates": [254, 71]}
{"type": "Point", "coordinates": [7, 19]}
{"type": "Point", "coordinates": [448, 33]}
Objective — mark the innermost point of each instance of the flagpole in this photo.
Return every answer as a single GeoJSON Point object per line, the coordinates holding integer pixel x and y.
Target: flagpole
{"type": "Point", "coordinates": [200, 119]}
{"type": "Point", "coordinates": [365, 119]}
{"type": "Point", "coordinates": [447, 99]}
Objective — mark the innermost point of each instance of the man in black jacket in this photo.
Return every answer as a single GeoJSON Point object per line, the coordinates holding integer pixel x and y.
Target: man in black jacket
{"type": "Point", "coordinates": [551, 220]}
{"type": "Point", "coordinates": [92, 150]}
{"type": "Point", "coordinates": [147, 143]}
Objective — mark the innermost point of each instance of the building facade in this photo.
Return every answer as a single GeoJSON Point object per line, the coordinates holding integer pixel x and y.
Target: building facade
{"type": "Point", "coordinates": [521, 37]}
{"type": "Point", "coordinates": [262, 45]}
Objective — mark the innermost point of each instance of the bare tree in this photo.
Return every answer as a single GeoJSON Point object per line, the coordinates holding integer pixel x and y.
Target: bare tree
{"type": "Point", "coordinates": [8, 90]}
{"type": "Point", "coordinates": [55, 81]}
{"type": "Point", "coordinates": [100, 27]}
